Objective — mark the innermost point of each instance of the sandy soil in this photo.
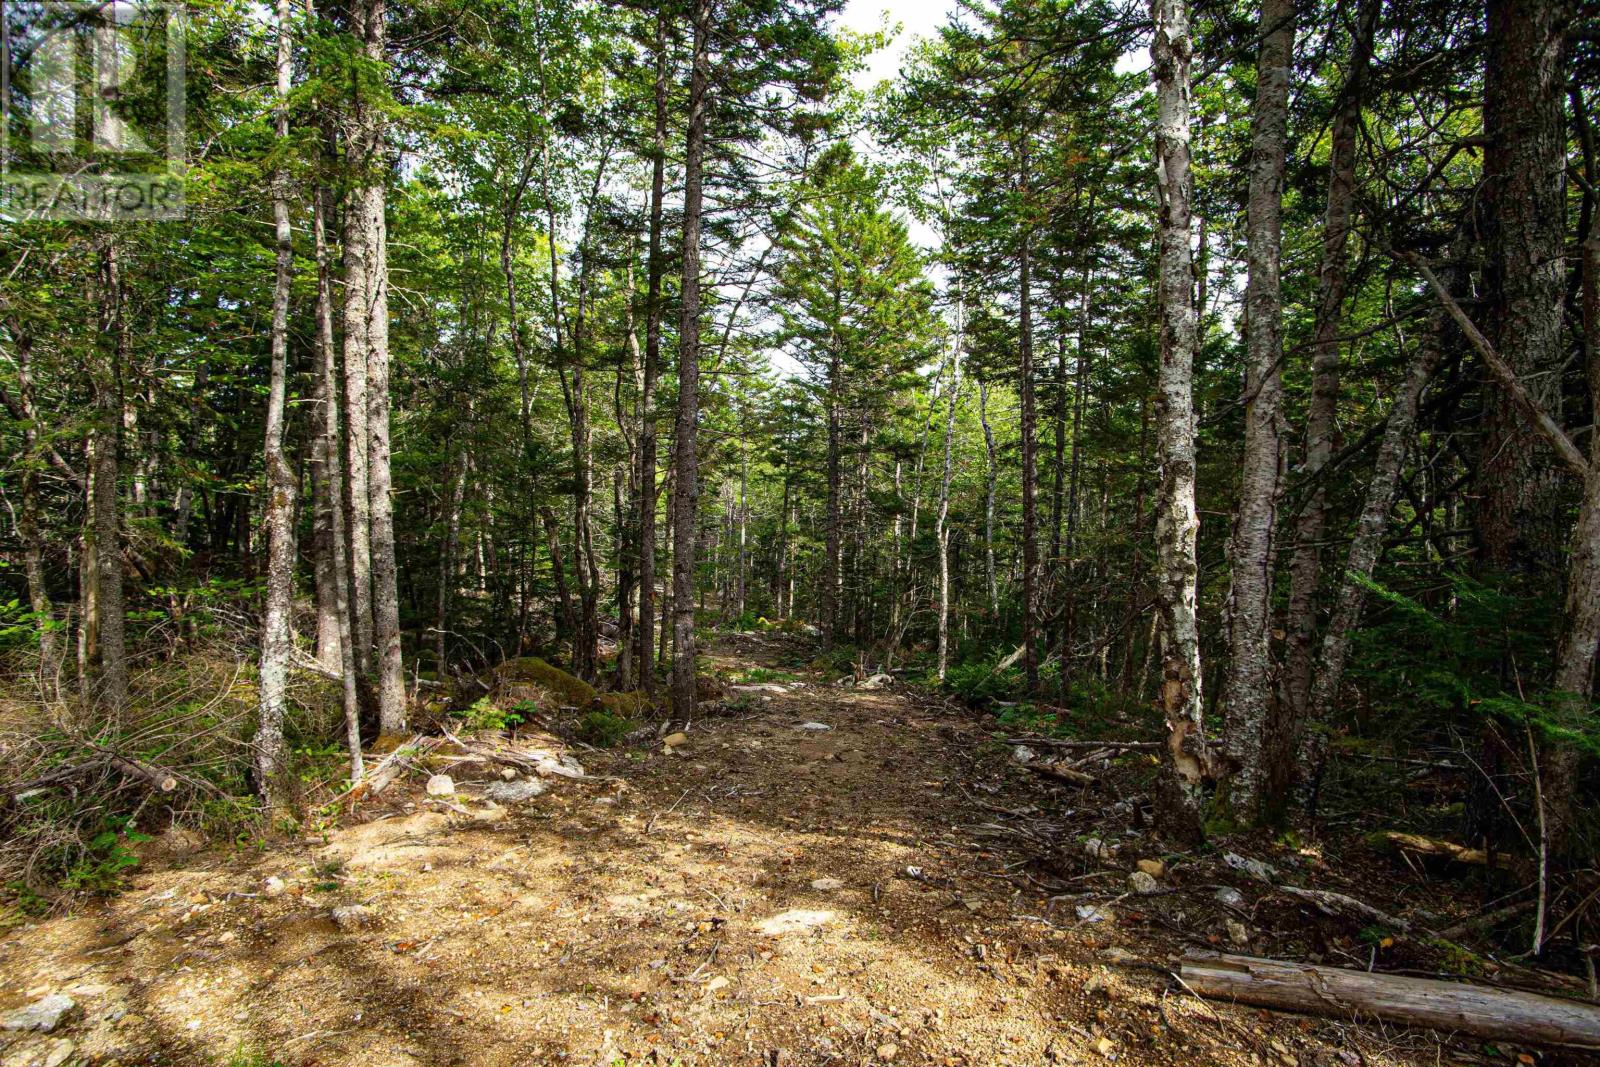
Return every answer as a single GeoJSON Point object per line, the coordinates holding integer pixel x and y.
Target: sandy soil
{"type": "Point", "coordinates": [765, 895]}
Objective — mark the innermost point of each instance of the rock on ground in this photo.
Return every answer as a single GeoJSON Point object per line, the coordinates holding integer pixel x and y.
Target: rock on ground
{"type": "Point", "coordinates": [42, 1015]}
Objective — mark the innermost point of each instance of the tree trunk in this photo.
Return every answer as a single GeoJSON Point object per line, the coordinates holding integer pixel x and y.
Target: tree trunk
{"type": "Point", "coordinates": [686, 501]}
{"type": "Point", "coordinates": [1185, 758]}
{"type": "Point", "coordinates": [941, 524]}
{"type": "Point", "coordinates": [1247, 690]}
{"type": "Point", "coordinates": [1452, 1007]}
{"type": "Point", "coordinates": [327, 391]}
{"type": "Point", "coordinates": [1030, 450]}
{"type": "Point", "coordinates": [28, 522]}
{"type": "Point", "coordinates": [990, 474]}
{"type": "Point", "coordinates": [1580, 632]}
{"type": "Point", "coordinates": [1523, 205]}
{"type": "Point", "coordinates": [1332, 285]}
{"type": "Point", "coordinates": [366, 212]}
{"type": "Point", "coordinates": [655, 268]}
{"type": "Point", "coordinates": [277, 636]}
{"type": "Point", "coordinates": [833, 536]}
{"type": "Point", "coordinates": [1361, 557]}
{"type": "Point", "coordinates": [109, 661]}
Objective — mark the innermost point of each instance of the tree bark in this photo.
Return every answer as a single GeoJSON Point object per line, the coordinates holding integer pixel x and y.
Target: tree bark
{"type": "Point", "coordinates": [1185, 758]}
{"type": "Point", "coordinates": [990, 474]}
{"type": "Point", "coordinates": [104, 545]}
{"type": "Point", "coordinates": [655, 269]}
{"type": "Point", "coordinates": [277, 637]}
{"type": "Point", "coordinates": [941, 524]}
{"type": "Point", "coordinates": [686, 502]}
{"type": "Point", "coordinates": [28, 530]}
{"type": "Point", "coordinates": [333, 485]}
{"type": "Point", "coordinates": [1452, 1007]}
{"type": "Point", "coordinates": [1332, 285]}
{"type": "Point", "coordinates": [1030, 447]}
{"type": "Point", "coordinates": [1246, 693]}
{"type": "Point", "coordinates": [1523, 204]}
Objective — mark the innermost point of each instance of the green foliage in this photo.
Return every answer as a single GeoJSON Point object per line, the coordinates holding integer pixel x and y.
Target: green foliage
{"type": "Point", "coordinates": [485, 714]}
{"type": "Point", "coordinates": [106, 859]}
{"type": "Point", "coordinates": [604, 729]}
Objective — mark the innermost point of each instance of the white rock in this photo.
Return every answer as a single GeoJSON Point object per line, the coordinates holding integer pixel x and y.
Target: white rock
{"type": "Point", "coordinates": [42, 1015]}
{"type": "Point", "coordinates": [515, 792]}
{"type": "Point", "coordinates": [353, 917]}
{"type": "Point", "coordinates": [876, 681]}
{"type": "Point", "coordinates": [1024, 754]}
{"type": "Point", "coordinates": [508, 773]}
{"type": "Point", "coordinates": [814, 727]}
{"type": "Point", "coordinates": [441, 785]}
{"type": "Point", "coordinates": [1237, 932]}
{"type": "Point", "coordinates": [1143, 883]}
{"type": "Point", "coordinates": [1254, 868]}
{"type": "Point", "coordinates": [827, 885]}
{"type": "Point", "coordinates": [274, 886]}
{"type": "Point", "coordinates": [794, 921]}
{"type": "Point", "coordinates": [1230, 896]}
{"type": "Point", "coordinates": [1093, 913]}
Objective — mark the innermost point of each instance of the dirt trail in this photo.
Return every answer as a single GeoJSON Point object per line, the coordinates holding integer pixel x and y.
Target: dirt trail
{"type": "Point", "coordinates": [766, 895]}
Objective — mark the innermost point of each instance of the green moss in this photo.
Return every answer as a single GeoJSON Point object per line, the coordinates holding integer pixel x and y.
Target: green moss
{"type": "Point", "coordinates": [628, 705]}
{"type": "Point", "coordinates": [569, 688]}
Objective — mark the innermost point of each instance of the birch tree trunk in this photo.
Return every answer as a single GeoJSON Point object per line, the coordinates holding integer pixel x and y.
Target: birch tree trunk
{"type": "Point", "coordinates": [277, 637]}
{"type": "Point", "coordinates": [686, 501]}
{"type": "Point", "coordinates": [990, 473]}
{"type": "Point", "coordinates": [1185, 757]}
{"type": "Point", "coordinates": [1247, 689]}
{"type": "Point", "coordinates": [941, 524]}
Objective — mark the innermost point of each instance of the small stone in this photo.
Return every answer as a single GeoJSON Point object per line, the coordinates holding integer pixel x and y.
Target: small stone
{"type": "Point", "coordinates": [674, 740]}
{"type": "Point", "coordinates": [1024, 754]}
{"type": "Point", "coordinates": [814, 727]}
{"type": "Point", "coordinates": [353, 917]}
{"type": "Point", "coordinates": [888, 1052]}
{"type": "Point", "coordinates": [228, 937]}
{"type": "Point", "coordinates": [1105, 1046]}
{"type": "Point", "coordinates": [441, 785]}
{"type": "Point", "coordinates": [274, 886]}
{"type": "Point", "coordinates": [826, 885]}
{"type": "Point", "coordinates": [1230, 896]}
{"type": "Point", "coordinates": [1154, 868]}
{"type": "Point", "coordinates": [876, 681]}
{"type": "Point", "coordinates": [1254, 868]}
{"type": "Point", "coordinates": [516, 792]}
{"type": "Point", "coordinates": [794, 921]}
{"type": "Point", "coordinates": [1096, 849]}
{"type": "Point", "coordinates": [719, 982]}
{"type": "Point", "coordinates": [509, 774]}
{"type": "Point", "coordinates": [1094, 913]}
{"type": "Point", "coordinates": [42, 1015]}
{"type": "Point", "coordinates": [1237, 932]}
{"type": "Point", "coordinates": [60, 1049]}
{"type": "Point", "coordinates": [1142, 883]}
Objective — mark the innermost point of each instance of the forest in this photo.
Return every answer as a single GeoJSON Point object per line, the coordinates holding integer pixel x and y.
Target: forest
{"type": "Point", "coordinates": [1134, 469]}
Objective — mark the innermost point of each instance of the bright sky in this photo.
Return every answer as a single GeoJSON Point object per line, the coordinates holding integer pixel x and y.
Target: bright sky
{"type": "Point", "coordinates": [917, 18]}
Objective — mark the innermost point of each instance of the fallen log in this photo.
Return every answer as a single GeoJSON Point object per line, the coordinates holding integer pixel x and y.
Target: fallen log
{"type": "Point", "coordinates": [1432, 846]}
{"type": "Point", "coordinates": [1331, 903]}
{"type": "Point", "coordinates": [1060, 774]}
{"type": "Point", "coordinates": [1453, 1007]}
